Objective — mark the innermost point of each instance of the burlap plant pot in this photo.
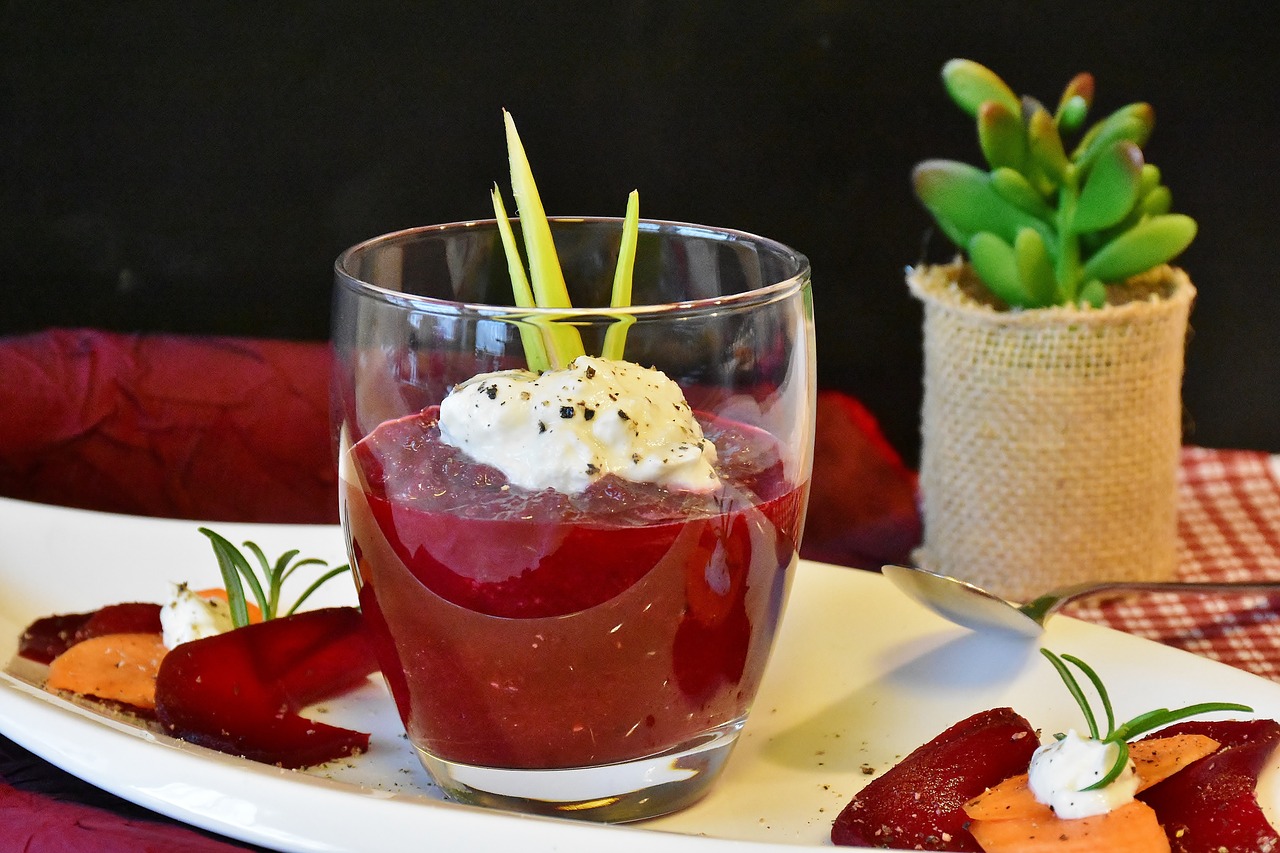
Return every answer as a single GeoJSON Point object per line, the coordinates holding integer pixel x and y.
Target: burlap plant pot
{"type": "Point", "coordinates": [1050, 437]}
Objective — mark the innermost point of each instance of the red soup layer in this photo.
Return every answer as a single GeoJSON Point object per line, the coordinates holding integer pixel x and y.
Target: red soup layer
{"type": "Point", "coordinates": [532, 629]}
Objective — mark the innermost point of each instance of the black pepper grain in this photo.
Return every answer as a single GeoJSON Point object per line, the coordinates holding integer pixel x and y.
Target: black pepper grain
{"type": "Point", "coordinates": [566, 411]}
{"type": "Point", "coordinates": [588, 414]}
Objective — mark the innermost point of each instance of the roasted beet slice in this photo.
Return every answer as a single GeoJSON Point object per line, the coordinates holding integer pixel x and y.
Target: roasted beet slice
{"type": "Point", "coordinates": [50, 636]}
{"type": "Point", "coordinates": [240, 692]}
{"type": "Point", "coordinates": [46, 638]}
{"type": "Point", "coordinates": [1211, 806]}
{"type": "Point", "coordinates": [918, 804]}
{"type": "Point", "coordinates": [133, 617]}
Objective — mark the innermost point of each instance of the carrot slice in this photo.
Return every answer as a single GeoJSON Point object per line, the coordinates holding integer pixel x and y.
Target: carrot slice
{"type": "Point", "coordinates": [1154, 761]}
{"type": "Point", "coordinates": [1132, 828]}
{"type": "Point", "coordinates": [1159, 758]}
{"type": "Point", "coordinates": [1010, 800]}
{"type": "Point", "coordinates": [115, 667]}
{"type": "Point", "coordinates": [255, 614]}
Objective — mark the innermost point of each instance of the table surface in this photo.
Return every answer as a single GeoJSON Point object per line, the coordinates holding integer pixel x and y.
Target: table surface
{"type": "Point", "coordinates": [1228, 530]}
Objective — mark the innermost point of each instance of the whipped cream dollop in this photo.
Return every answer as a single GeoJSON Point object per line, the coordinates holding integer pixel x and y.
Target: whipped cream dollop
{"type": "Point", "coordinates": [565, 429]}
{"type": "Point", "coordinates": [1061, 770]}
{"type": "Point", "coordinates": [187, 616]}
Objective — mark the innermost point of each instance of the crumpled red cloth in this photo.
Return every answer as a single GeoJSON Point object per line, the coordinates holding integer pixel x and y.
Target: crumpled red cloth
{"type": "Point", "coordinates": [213, 428]}
{"type": "Point", "coordinates": [46, 810]}
{"type": "Point", "coordinates": [228, 429]}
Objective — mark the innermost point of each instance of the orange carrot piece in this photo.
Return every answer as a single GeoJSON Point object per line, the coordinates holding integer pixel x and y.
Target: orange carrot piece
{"type": "Point", "coordinates": [1132, 828]}
{"type": "Point", "coordinates": [114, 667]}
{"type": "Point", "coordinates": [1159, 758]}
{"type": "Point", "coordinates": [255, 614]}
{"type": "Point", "coordinates": [1010, 800]}
{"type": "Point", "coordinates": [1154, 760]}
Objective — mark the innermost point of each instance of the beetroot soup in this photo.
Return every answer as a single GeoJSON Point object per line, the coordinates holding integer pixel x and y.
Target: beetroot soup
{"type": "Point", "coordinates": [537, 629]}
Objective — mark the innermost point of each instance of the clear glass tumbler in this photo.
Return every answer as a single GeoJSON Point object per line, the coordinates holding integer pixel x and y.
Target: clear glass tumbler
{"type": "Point", "coordinates": [592, 655]}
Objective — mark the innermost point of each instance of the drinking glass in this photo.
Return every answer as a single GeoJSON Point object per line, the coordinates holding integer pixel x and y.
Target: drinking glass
{"type": "Point", "coordinates": [592, 655]}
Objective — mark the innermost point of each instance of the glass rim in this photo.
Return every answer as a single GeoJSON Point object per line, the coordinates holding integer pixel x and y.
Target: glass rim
{"type": "Point", "coordinates": [800, 278]}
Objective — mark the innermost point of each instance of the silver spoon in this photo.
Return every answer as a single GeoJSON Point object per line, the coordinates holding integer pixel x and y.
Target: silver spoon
{"type": "Point", "coordinates": [975, 608]}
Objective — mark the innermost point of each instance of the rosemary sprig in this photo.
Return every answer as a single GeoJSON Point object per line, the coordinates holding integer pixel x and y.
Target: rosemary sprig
{"type": "Point", "coordinates": [550, 344]}
{"type": "Point", "coordinates": [236, 572]}
{"type": "Point", "coordinates": [1122, 734]}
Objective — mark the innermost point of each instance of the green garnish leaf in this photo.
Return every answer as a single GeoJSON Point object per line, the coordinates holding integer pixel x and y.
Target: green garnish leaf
{"type": "Point", "coordinates": [236, 571]}
{"type": "Point", "coordinates": [545, 278]}
{"type": "Point", "coordinates": [1122, 734]}
{"type": "Point", "coordinates": [615, 338]}
{"type": "Point", "coordinates": [548, 344]}
{"type": "Point", "coordinates": [535, 353]}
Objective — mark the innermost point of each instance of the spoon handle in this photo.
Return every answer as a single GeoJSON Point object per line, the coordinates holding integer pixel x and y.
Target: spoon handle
{"type": "Point", "coordinates": [1049, 603]}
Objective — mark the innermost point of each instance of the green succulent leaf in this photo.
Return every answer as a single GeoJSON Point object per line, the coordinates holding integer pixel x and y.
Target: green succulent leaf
{"type": "Point", "coordinates": [1014, 188]}
{"type": "Point", "coordinates": [1132, 123]}
{"type": "Point", "coordinates": [1150, 178]}
{"type": "Point", "coordinates": [964, 202]}
{"type": "Point", "coordinates": [996, 264]}
{"type": "Point", "coordinates": [1157, 202]}
{"type": "Point", "coordinates": [1094, 293]}
{"type": "Point", "coordinates": [1110, 188]}
{"type": "Point", "coordinates": [971, 84]}
{"type": "Point", "coordinates": [1044, 226]}
{"type": "Point", "coordinates": [1148, 244]}
{"type": "Point", "coordinates": [1046, 146]}
{"type": "Point", "coordinates": [1035, 268]}
{"type": "Point", "coordinates": [1074, 105]}
{"type": "Point", "coordinates": [1001, 136]}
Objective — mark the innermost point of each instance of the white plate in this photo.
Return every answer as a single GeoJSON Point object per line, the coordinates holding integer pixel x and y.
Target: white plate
{"type": "Point", "coordinates": [860, 677]}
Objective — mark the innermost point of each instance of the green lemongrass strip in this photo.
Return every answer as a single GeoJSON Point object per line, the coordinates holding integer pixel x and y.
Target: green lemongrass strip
{"type": "Point", "coordinates": [1141, 724]}
{"type": "Point", "coordinates": [545, 277]}
{"type": "Point", "coordinates": [534, 352]}
{"type": "Point", "coordinates": [615, 339]}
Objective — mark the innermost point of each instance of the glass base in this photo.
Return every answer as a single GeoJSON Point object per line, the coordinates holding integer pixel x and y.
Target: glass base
{"type": "Point", "coordinates": [611, 793]}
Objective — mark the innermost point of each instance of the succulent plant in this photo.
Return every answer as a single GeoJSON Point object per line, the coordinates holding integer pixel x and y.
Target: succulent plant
{"type": "Point", "coordinates": [1043, 227]}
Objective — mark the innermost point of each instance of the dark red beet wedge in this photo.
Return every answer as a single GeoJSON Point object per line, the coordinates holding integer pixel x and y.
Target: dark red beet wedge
{"type": "Point", "coordinates": [50, 636]}
{"type": "Point", "coordinates": [918, 804]}
{"type": "Point", "coordinates": [129, 618]}
{"type": "Point", "coordinates": [1211, 806]}
{"type": "Point", "coordinates": [46, 638]}
{"type": "Point", "coordinates": [240, 692]}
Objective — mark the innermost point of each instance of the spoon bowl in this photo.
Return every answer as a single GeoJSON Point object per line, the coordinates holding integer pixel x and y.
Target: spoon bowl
{"type": "Point", "coordinates": [975, 608]}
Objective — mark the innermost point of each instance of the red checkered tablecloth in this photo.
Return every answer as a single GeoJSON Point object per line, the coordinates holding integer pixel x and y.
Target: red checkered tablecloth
{"type": "Point", "coordinates": [1228, 530]}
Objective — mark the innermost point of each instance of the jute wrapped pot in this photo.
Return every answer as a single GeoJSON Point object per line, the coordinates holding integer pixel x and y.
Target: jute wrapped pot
{"type": "Point", "coordinates": [1050, 438]}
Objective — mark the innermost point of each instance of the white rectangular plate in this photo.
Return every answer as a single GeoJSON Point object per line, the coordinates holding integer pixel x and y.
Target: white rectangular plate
{"type": "Point", "coordinates": [860, 676]}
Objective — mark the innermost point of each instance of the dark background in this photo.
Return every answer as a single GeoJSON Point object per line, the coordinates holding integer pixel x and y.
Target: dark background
{"type": "Point", "coordinates": [196, 167]}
